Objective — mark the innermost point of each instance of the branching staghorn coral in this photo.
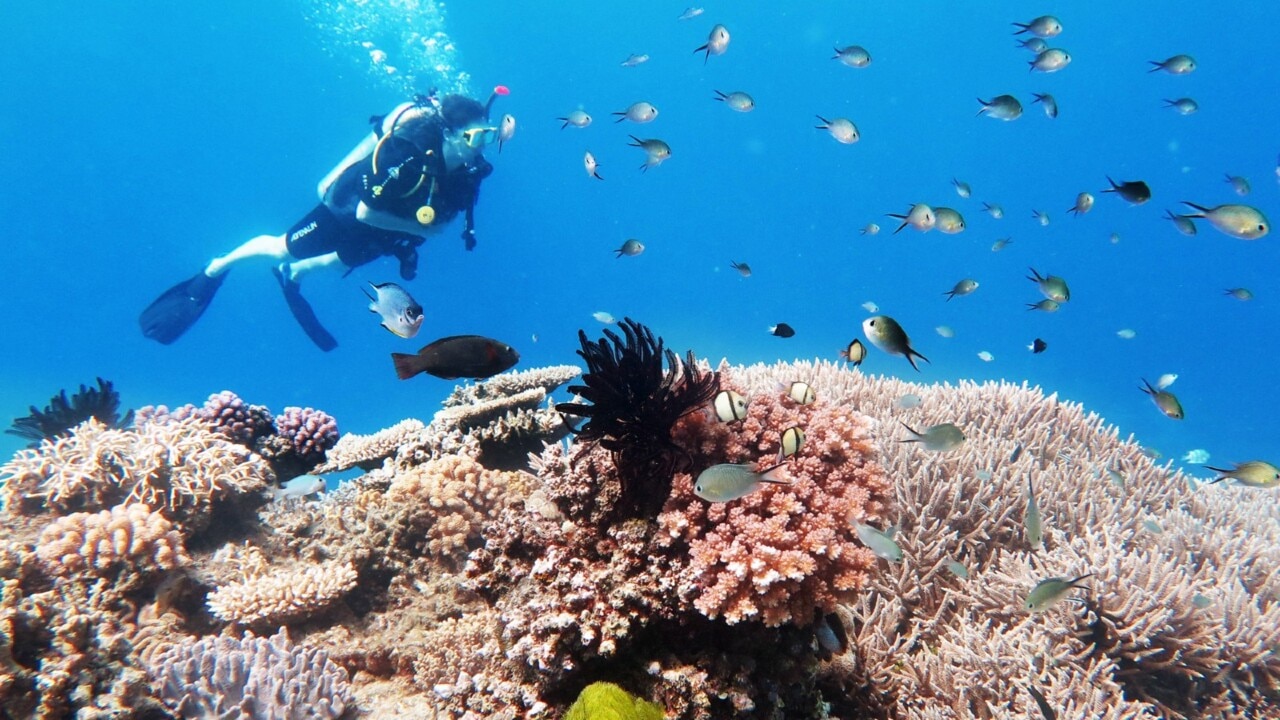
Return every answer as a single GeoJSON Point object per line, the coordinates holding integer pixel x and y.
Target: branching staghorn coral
{"type": "Point", "coordinates": [1183, 614]}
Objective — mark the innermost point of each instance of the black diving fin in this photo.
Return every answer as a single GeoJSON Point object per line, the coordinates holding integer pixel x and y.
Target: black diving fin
{"type": "Point", "coordinates": [303, 313]}
{"type": "Point", "coordinates": [166, 319]}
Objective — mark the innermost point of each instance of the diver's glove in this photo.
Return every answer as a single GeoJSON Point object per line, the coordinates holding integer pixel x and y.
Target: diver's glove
{"type": "Point", "coordinates": [409, 264]}
{"type": "Point", "coordinates": [469, 237]}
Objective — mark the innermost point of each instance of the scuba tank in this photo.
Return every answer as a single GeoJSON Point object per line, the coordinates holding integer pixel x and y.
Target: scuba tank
{"type": "Point", "coordinates": [404, 112]}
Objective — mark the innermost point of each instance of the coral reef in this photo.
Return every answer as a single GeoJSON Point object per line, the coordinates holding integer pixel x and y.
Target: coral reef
{"type": "Point", "coordinates": [635, 403]}
{"type": "Point", "coordinates": [61, 415]}
{"type": "Point", "coordinates": [606, 701]}
{"type": "Point", "coordinates": [182, 469]}
{"type": "Point", "coordinates": [438, 584]}
{"type": "Point", "coordinates": [128, 536]}
{"type": "Point", "coordinates": [264, 678]}
{"type": "Point", "coordinates": [272, 599]}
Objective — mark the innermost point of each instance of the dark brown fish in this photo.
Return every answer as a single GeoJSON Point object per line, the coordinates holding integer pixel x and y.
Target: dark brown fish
{"type": "Point", "coordinates": [1135, 191]}
{"type": "Point", "coordinates": [458, 356]}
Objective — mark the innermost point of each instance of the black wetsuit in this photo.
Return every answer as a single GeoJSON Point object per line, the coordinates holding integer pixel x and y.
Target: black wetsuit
{"type": "Point", "coordinates": [402, 184]}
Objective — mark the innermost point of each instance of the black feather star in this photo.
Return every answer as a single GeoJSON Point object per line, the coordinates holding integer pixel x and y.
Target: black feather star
{"type": "Point", "coordinates": [636, 400]}
{"type": "Point", "coordinates": [61, 414]}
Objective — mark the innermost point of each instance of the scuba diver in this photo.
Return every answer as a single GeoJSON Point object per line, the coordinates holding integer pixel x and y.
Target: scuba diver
{"type": "Point", "coordinates": [419, 168]}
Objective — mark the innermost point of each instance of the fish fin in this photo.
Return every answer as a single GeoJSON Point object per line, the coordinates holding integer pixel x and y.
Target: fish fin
{"type": "Point", "coordinates": [911, 359]}
{"type": "Point", "coordinates": [620, 119]}
{"type": "Point", "coordinates": [918, 437]}
{"type": "Point", "coordinates": [566, 122]}
{"type": "Point", "coordinates": [1201, 208]}
{"type": "Point", "coordinates": [767, 475]}
{"type": "Point", "coordinates": [406, 365]}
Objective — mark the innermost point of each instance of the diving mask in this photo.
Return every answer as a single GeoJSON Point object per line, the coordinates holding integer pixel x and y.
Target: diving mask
{"type": "Point", "coordinates": [478, 137]}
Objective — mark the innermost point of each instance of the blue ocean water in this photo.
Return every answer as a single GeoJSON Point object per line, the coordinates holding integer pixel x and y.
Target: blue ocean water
{"type": "Point", "coordinates": [140, 139]}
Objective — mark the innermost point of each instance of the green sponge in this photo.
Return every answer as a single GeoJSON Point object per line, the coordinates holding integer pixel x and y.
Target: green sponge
{"type": "Point", "coordinates": [606, 701]}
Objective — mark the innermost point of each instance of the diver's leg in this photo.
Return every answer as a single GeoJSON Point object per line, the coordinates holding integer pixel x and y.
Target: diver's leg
{"type": "Point", "coordinates": [270, 246]}
{"type": "Point", "coordinates": [293, 270]}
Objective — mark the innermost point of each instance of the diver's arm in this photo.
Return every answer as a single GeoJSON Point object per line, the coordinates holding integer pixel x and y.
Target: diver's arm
{"type": "Point", "coordinates": [387, 221]}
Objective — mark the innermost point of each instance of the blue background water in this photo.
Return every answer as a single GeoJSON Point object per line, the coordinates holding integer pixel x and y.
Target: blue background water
{"type": "Point", "coordinates": [139, 139]}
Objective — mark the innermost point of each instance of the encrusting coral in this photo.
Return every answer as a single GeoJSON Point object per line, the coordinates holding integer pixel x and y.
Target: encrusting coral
{"type": "Point", "coordinates": [448, 587]}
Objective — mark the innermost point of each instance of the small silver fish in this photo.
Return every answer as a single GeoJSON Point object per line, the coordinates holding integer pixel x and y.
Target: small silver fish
{"type": "Point", "coordinates": [1001, 107]}
{"type": "Point", "coordinates": [1045, 305]}
{"type": "Point", "coordinates": [630, 247]}
{"type": "Point", "coordinates": [920, 217]}
{"type": "Point", "coordinates": [948, 220]}
{"type": "Point", "coordinates": [743, 269]}
{"type": "Point", "coordinates": [908, 401]}
{"type": "Point", "coordinates": [717, 43]}
{"type": "Point", "coordinates": [962, 287]}
{"type": "Point", "coordinates": [729, 406]}
{"type": "Point", "coordinates": [1239, 293]}
{"type": "Point", "coordinates": [730, 481]}
{"type": "Point", "coordinates": [1048, 103]}
{"type": "Point", "coordinates": [879, 542]}
{"type": "Point", "coordinates": [577, 118]}
{"type": "Point", "coordinates": [506, 130]}
{"type": "Point", "coordinates": [1239, 184]}
{"type": "Point", "coordinates": [400, 313]}
{"type": "Point", "coordinates": [593, 167]}
{"type": "Point", "coordinates": [1084, 203]}
{"type": "Point", "coordinates": [1040, 217]}
{"type": "Point", "coordinates": [842, 129]}
{"type": "Point", "coordinates": [1183, 223]}
{"type": "Point", "coordinates": [691, 13]}
{"type": "Point", "coordinates": [298, 487]}
{"type": "Point", "coordinates": [1000, 244]}
{"type": "Point", "coordinates": [1051, 60]}
{"type": "Point", "coordinates": [635, 59]}
{"type": "Point", "coordinates": [962, 188]}
{"type": "Point", "coordinates": [1051, 591]}
{"type": "Point", "coordinates": [1239, 221]}
{"type": "Point", "coordinates": [638, 112]}
{"type": "Point", "coordinates": [1045, 26]}
{"type": "Point", "coordinates": [1033, 520]}
{"type": "Point", "coordinates": [1052, 286]}
{"type": "Point", "coordinates": [855, 56]}
{"type": "Point", "coordinates": [1034, 44]}
{"type": "Point", "coordinates": [737, 101]}
{"type": "Point", "coordinates": [870, 229]}
{"type": "Point", "coordinates": [938, 438]}
{"type": "Point", "coordinates": [656, 151]}
{"type": "Point", "coordinates": [1184, 106]}
{"type": "Point", "coordinates": [1175, 65]}
{"type": "Point", "coordinates": [994, 210]}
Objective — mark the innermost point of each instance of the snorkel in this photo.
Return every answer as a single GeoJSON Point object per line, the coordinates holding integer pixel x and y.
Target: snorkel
{"type": "Point", "coordinates": [502, 90]}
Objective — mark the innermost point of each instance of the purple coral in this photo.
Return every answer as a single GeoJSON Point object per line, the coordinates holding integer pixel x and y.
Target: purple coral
{"type": "Point", "coordinates": [251, 677]}
{"type": "Point", "coordinates": [311, 432]}
{"type": "Point", "coordinates": [232, 417]}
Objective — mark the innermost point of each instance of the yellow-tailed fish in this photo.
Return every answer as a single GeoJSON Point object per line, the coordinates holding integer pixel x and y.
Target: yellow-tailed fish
{"type": "Point", "coordinates": [730, 481]}
{"type": "Point", "coordinates": [1051, 591]}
